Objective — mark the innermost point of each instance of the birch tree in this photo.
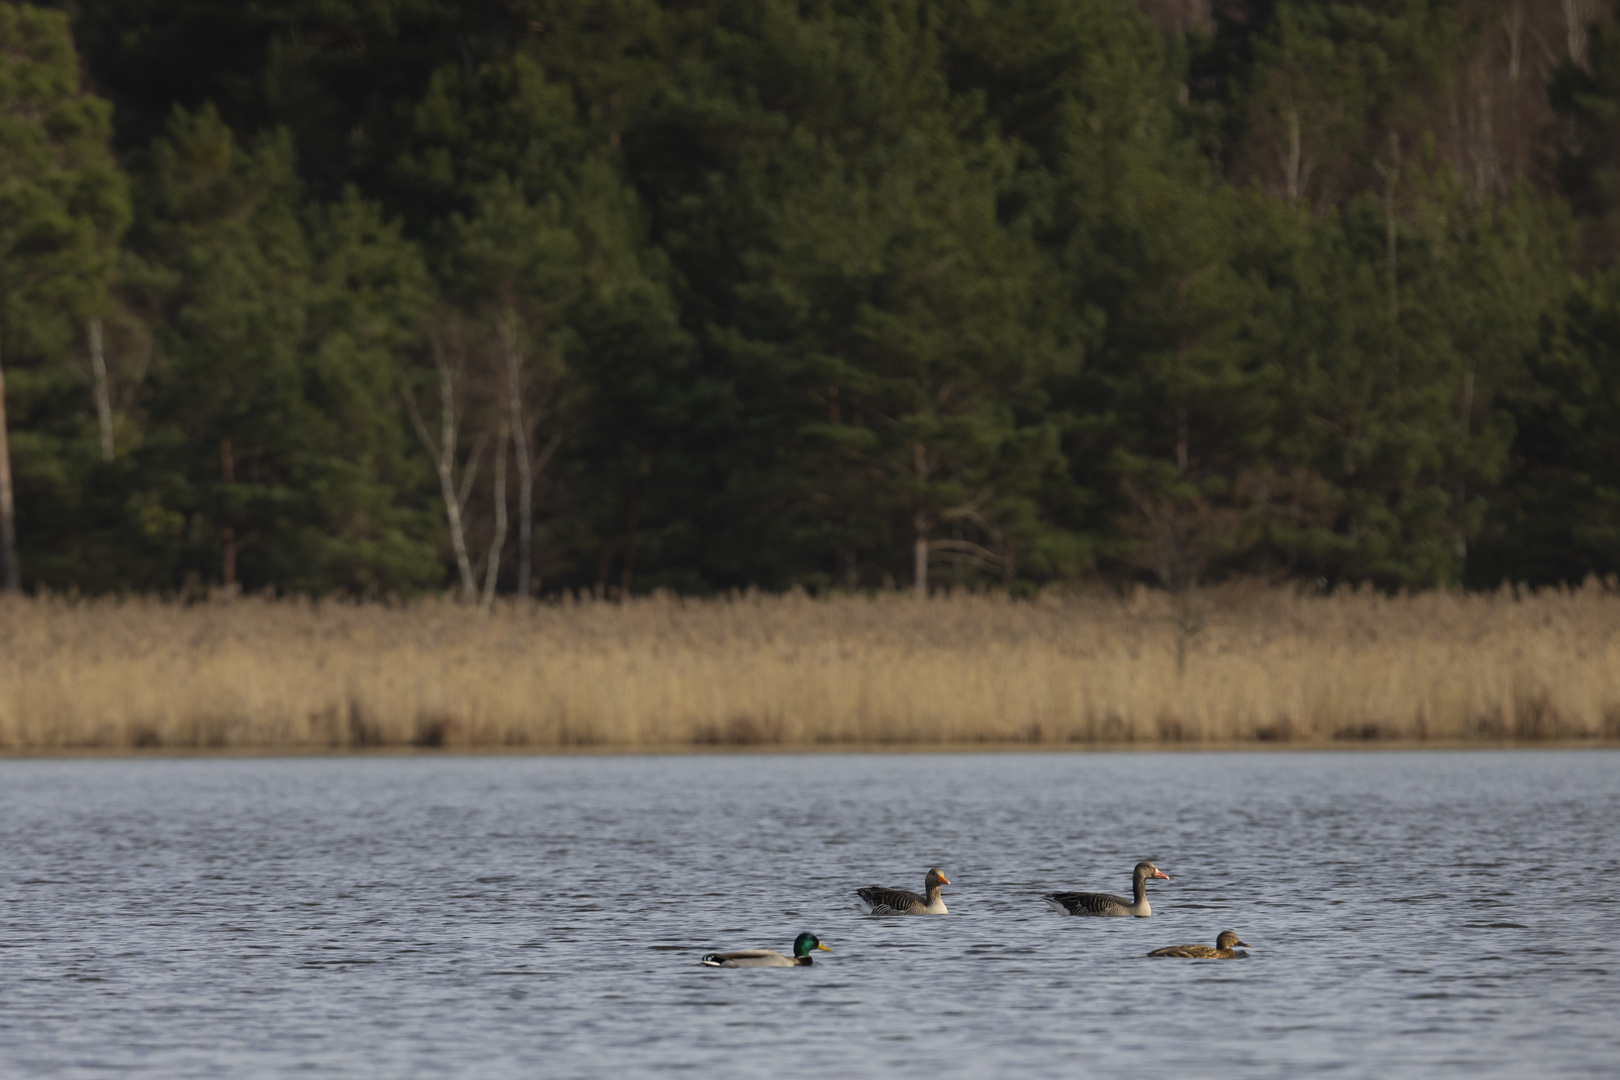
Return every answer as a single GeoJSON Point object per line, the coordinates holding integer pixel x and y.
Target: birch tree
{"type": "Point", "coordinates": [518, 269]}
{"type": "Point", "coordinates": [448, 359]}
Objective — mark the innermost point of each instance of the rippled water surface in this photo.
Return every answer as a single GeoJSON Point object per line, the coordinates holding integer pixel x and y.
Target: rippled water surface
{"type": "Point", "coordinates": [1411, 914]}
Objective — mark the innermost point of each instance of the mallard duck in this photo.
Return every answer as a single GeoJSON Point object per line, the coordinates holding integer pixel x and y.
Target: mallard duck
{"type": "Point", "coordinates": [1222, 950]}
{"type": "Point", "coordinates": [876, 900]}
{"type": "Point", "coordinates": [1097, 903]}
{"type": "Point", "coordinates": [769, 957]}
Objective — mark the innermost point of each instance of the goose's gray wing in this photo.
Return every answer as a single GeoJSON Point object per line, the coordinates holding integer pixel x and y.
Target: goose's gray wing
{"type": "Point", "coordinates": [1088, 903]}
{"type": "Point", "coordinates": [877, 900]}
{"type": "Point", "coordinates": [748, 958]}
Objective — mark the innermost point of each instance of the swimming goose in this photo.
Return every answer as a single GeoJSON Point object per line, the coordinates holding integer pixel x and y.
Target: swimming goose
{"type": "Point", "coordinates": [768, 957]}
{"type": "Point", "coordinates": [1098, 903]}
{"type": "Point", "coordinates": [1221, 951]}
{"type": "Point", "coordinates": [876, 900]}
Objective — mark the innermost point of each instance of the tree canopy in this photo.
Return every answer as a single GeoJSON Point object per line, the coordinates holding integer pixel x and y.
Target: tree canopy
{"type": "Point", "coordinates": [528, 296]}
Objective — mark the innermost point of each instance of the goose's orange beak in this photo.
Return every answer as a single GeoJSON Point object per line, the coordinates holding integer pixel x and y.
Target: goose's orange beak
{"type": "Point", "coordinates": [943, 880]}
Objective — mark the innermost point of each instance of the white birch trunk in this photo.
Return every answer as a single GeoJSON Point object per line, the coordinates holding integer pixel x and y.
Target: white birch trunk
{"type": "Point", "coordinates": [1577, 14]}
{"type": "Point", "coordinates": [1291, 162]}
{"type": "Point", "coordinates": [1513, 26]}
{"type": "Point", "coordinates": [492, 567]}
{"type": "Point", "coordinates": [520, 450]}
{"type": "Point", "coordinates": [1392, 176]}
{"type": "Point", "coordinates": [8, 511]}
{"type": "Point", "coordinates": [444, 461]}
{"type": "Point", "coordinates": [919, 529]}
{"type": "Point", "coordinates": [919, 562]}
{"type": "Point", "coordinates": [98, 367]}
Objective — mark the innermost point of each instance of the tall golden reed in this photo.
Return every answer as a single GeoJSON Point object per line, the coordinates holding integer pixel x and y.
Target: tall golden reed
{"type": "Point", "coordinates": [1221, 666]}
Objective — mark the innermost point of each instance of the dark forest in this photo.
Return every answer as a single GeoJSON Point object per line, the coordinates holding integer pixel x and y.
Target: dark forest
{"type": "Point", "coordinates": [379, 297]}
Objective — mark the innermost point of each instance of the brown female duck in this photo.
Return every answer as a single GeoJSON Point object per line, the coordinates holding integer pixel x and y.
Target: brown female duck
{"type": "Point", "coordinates": [1223, 949]}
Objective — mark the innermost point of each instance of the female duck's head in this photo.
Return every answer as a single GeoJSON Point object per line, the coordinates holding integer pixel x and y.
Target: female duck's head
{"type": "Point", "coordinates": [807, 941]}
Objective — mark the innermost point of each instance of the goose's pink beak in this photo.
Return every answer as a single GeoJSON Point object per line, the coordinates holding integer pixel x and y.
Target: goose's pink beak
{"type": "Point", "coordinates": [1161, 873]}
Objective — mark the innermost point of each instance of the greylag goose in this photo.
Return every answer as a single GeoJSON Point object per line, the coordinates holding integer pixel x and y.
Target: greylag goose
{"type": "Point", "coordinates": [1221, 951]}
{"type": "Point", "coordinates": [1100, 903]}
{"type": "Point", "coordinates": [769, 957]}
{"type": "Point", "coordinates": [876, 900]}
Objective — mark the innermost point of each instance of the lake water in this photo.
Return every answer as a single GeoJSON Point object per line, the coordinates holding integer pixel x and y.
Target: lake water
{"type": "Point", "coordinates": [1411, 915]}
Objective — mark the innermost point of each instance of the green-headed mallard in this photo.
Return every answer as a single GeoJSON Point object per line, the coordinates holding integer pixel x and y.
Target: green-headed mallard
{"type": "Point", "coordinates": [769, 957]}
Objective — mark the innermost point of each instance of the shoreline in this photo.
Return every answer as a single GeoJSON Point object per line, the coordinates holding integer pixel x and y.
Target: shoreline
{"type": "Point", "coordinates": [1394, 746]}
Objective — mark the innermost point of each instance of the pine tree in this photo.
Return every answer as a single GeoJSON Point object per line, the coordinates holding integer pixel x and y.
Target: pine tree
{"type": "Point", "coordinates": [63, 206]}
{"type": "Point", "coordinates": [275, 445]}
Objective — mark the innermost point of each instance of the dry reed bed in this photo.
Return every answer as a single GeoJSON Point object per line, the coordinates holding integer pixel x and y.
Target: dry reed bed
{"type": "Point", "coordinates": [1221, 666]}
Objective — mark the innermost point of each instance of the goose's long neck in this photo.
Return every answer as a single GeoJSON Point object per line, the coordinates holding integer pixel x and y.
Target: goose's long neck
{"type": "Point", "coordinates": [1139, 888]}
{"type": "Point", "coordinates": [933, 893]}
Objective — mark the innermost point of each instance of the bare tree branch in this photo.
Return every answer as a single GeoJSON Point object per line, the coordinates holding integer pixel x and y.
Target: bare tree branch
{"type": "Point", "coordinates": [544, 458]}
{"type": "Point", "coordinates": [966, 551]}
{"type": "Point", "coordinates": [467, 478]}
{"type": "Point", "coordinates": [421, 428]}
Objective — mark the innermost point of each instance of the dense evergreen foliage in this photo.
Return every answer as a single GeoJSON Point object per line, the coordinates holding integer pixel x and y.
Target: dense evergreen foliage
{"type": "Point", "coordinates": [519, 295]}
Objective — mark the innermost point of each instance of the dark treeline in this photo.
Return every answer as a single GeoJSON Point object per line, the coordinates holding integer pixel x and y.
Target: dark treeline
{"type": "Point", "coordinates": [522, 295]}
